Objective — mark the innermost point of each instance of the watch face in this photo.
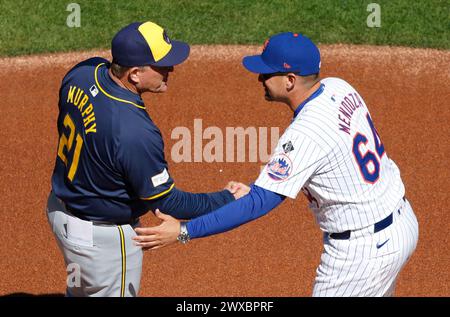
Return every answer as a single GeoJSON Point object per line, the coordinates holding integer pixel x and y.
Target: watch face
{"type": "Point", "coordinates": [184, 235]}
{"type": "Point", "coordinates": [182, 239]}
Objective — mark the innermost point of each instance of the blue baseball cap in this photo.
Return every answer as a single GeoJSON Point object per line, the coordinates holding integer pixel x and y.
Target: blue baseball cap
{"type": "Point", "coordinates": [146, 43]}
{"type": "Point", "coordinates": [286, 52]}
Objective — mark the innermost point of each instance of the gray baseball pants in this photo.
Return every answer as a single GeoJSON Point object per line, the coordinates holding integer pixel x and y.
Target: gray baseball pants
{"type": "Point", "coordinates": [101, 259]}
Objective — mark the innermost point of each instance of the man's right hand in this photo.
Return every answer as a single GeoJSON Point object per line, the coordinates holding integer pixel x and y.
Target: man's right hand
{"type": "Point", "coordinates": [166, 233]}
{"type": "Point", "coordinates": [237, 189]}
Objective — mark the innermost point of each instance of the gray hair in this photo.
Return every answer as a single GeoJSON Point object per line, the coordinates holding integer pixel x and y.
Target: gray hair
{"type": "Point", "coordinates": [119, 70]}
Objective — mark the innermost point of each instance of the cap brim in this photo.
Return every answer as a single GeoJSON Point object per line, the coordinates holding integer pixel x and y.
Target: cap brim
{"type": "Point", "coordinates": [178, 54]}
{"type": "Point", "coordinates": [255, 64]}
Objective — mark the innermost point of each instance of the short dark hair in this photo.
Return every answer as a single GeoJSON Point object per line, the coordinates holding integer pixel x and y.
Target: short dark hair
{"type": "Point", "coordinates": [306, 78]}
{"type": "Point", "coordinates": [311, 77]}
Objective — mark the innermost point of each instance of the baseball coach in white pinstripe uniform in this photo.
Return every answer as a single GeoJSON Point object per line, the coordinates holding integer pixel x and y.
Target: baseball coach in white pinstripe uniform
{"type": "Point", "coordinates": [331, 152]}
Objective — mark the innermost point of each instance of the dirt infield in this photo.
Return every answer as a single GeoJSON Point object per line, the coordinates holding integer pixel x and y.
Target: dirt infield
{"type": "Point", "coordinates": [406, 90]}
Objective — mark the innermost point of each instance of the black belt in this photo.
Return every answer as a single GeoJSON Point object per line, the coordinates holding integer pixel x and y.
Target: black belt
{"type": "Point", "coordinates": [380, 225]}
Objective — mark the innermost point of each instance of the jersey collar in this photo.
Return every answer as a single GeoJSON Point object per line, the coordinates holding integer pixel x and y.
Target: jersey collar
{"type": "Point", "coordinates": [312, 93]}
{"type": "Point", "coordinates": [112, 90]}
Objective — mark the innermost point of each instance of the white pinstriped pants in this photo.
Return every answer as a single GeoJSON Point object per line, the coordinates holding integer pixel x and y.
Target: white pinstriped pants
{"type": "Point", "coordinates": [368, 263]}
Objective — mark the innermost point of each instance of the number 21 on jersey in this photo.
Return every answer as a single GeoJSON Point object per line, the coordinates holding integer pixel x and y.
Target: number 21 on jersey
{"type": "Point", "coordinates": [370, 161]}
{"type": "Point", "coordinates": [66, 144]}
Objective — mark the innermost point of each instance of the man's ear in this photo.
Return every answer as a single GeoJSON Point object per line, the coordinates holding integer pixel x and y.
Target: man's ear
{"type": "Point", "coordinates": [290, 81]}
{"type": "Point", "coordinates": [133, 75]}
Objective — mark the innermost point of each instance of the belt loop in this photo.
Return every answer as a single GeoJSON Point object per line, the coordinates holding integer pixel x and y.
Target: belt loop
{"type": "Point", "coordinates": [401, 206]}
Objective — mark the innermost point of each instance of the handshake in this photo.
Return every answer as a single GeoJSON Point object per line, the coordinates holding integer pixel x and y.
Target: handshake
{"type": "Point", "coordinates": [166, 233]}
{"type": "Point", "coordinates": [237, 189]}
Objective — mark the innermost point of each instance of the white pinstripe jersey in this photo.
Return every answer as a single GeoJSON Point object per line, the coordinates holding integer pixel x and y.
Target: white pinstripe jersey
{"type": "Point", "coordinates": [332, 152]}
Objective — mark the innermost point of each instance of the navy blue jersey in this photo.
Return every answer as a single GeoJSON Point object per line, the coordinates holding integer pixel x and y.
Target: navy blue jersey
{"type": "Point", "coordinates": [110, 154]}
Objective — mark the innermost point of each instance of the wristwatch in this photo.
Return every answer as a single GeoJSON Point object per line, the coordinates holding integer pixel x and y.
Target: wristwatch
{"type": "Point", "coordinates": [183, 237]}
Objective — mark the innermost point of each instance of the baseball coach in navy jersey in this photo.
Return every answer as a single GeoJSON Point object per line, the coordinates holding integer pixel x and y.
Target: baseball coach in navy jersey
{"type": "Point", "coordinates": [110, 167]}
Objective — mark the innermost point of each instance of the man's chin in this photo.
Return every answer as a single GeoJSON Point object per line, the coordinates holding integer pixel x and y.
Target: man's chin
{"type": "Point", "coordinates": [161, 89]}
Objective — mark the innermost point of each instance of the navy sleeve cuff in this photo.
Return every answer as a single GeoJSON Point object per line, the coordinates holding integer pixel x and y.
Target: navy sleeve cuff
{"type": "Point", "coordinates": [184, 205]}
{"type": "Point", "coordinates": [218, 199]}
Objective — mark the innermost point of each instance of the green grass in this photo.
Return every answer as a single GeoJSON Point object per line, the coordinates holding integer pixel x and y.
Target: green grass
{"type": "Point", "coordinates": [28, 27]}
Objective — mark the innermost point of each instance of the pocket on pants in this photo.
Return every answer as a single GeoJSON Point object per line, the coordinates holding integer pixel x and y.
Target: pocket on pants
{"type": "Point", "coordinates": [79, 232]}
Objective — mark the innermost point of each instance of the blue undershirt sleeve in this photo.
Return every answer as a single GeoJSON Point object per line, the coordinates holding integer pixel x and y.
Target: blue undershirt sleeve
{"type": "Point", "coordinates": [255, 204]}
{"type": "Point", "coordinates": [184, 205]}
